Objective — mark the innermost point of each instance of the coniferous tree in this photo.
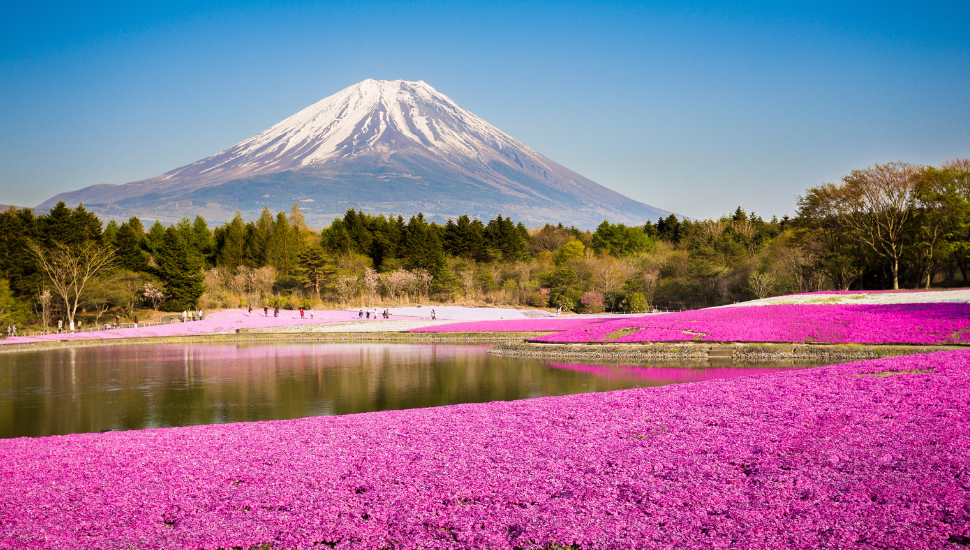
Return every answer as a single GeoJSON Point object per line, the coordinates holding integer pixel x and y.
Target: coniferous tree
{"type": "Point", "coordinates": [283, 246]}
{"type": "Point", "coordinates": [57, 226]}
{"type": "Point", "coordinates": [261, 237]}
{"type": "Point", "coordinates": [154, 238]}
{"type": "Point", "coordinates": [87, 226]}
{"type": "Point", "coordinates": [17, 229]}
{"type": "Point", "coordinates": [315, 268]}
{"type": "Point", "coordinates": [180, 268]}
{"type": "Point", "coordinates": [232, 243]}
{"type": "Point", "coordinates": [203, 241]}
{"type": "Point", "coordinates": [128, 242]}
{"type": "Point", "coordinates": [110, 233]}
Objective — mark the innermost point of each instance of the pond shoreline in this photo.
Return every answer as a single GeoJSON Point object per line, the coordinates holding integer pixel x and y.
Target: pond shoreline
{"type": "Point", "coordinates": [514, 344]}
{"type": "Point", "coordinates": [733, 351]}
{"type": "Point", "coordinates": [244, 336]}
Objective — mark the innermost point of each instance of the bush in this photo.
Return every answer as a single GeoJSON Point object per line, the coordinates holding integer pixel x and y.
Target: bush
{"type": "Point", "coordinates": [564, 302]}
{"type": "Point", "coordinates": [636, 302]}
{"type": "Point", "coordinates": [592, 302]}
{"type": "Point", "coordinates": [537, 299]}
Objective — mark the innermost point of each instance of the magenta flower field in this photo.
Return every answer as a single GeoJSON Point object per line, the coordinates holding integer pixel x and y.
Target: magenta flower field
{"type": "Point", "coordinates": [899, 291]}
{"type": "Point", "coordinates": [862, 455]}
{"type": "Point", "coordinates": [837, 324]}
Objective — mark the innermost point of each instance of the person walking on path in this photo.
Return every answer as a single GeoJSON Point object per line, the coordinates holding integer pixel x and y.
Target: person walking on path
{"type": "Point", "coordinates": [559, 310]}
{"type": "Point", "coordinates": [136, 321]}
{"type": "Point", "coordinates": [301, 314]}
{"type": "Point", "coordinates": [60, 325]}
{"type": "Point", "coordinates": [311, 312]}
{"type": "Point", "coordinates": [72, 326]}
{"type": "Point", "coordinates": [185, 315]}
{"type": "Point", "coordinates": [15, 330]}
{"type": "Point", "coordinates": [79, 325]}
{"type": "Point", "coordinates": [276, 311]}
{"type": "Point", "coordinates": [433, 318]}
{"type": "Point", "coordinates": [360, 314]}
{"type": "Point", "coordinates": [8, 331]}
{"type": "Point", "coordinates": [250, 311]}
{"type": "Point", "coordinates": [117, 320]}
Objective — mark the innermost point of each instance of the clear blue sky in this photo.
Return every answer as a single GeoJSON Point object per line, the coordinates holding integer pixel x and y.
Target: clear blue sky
{"type": "Point", "coordinates": [694, 108]}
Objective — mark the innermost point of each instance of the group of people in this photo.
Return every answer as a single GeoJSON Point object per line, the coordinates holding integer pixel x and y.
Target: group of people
{"type": "Point", "coordinates": [362, 314]}
{"type": "Point", "coordinates": [187, 315]}
{"type": "Point", "coordinates": [11, 330]}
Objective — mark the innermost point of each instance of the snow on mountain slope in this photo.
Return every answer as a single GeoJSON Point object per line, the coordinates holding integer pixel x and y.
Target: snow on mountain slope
{"type": "Point", "coordinates": [416, 142]}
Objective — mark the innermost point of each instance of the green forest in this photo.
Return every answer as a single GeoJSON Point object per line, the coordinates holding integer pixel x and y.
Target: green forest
{"type": "Point", "coordinates": [895, 225]}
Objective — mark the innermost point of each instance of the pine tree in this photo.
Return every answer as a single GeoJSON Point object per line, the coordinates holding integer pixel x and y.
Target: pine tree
{"type": "Point", "coordinates": [17, 228]}
{"type": "Point", "coordinates": [128, 242]}
{"type": "Point", "coordinates": [283, 246]}
{"type": "Point", "coordinates": [203, 241]}
{"type": "Point", "coordinates": [180, 268]}
{"type": "Point", "coordinates": [154, 238]}
{"type": "Point", "coordinates": [232, 248]}
{"type": "Point", "coordinates": [315, 268]}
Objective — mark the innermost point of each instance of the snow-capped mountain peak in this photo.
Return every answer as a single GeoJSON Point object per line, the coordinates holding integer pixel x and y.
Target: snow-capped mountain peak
{"type": "Point", "coordinates": [373, 115]}
{"type": "Point", "coordinates": [379, 145]}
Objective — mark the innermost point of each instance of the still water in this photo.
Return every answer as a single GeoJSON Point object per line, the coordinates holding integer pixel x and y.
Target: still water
{"type": "Point", "coordinates": [136, 387]}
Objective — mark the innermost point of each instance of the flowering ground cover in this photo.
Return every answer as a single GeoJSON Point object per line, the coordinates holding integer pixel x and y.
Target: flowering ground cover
{"type": "Point", "coordinates": [668, 375]}
{"type": "Point", "coordinates": [873, 454]}
{"type": "Point", "coordinates": [214, 323]}
{"type": "Point", "coordinates": [836, 324]}
{"type": "Point", "coordinates": [513, 325]}
{"type": "Point", "coordinates": [899, 291]}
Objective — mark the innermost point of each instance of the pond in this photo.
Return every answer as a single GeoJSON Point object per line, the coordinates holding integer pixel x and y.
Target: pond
{"type": "Point", "coordinates": [136, 387]}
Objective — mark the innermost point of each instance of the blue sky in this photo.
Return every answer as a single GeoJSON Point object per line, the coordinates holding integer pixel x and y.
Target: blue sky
{"type": "Point", "coordinates": [695, 108]}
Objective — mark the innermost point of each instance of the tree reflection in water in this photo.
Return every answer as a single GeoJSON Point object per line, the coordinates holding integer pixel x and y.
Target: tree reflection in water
{"type": "Point", "coordinates": [137, 387]}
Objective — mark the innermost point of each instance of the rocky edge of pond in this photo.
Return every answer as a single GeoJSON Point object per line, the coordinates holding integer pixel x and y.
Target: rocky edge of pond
{"type": "Point", "coordinates": [737, 352]}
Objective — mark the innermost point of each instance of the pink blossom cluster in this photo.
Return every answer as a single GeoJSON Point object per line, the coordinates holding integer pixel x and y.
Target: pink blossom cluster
{"type": "Point", "coordinates": [548, 324]}
{"type": "Point", "coordinates": [837, 324]}
{"type": "Point", "coordinates": [862, 455]}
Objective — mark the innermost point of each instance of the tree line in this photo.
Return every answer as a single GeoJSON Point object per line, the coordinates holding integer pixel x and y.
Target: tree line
{"type": "Point", "coordinates": [880, 227]}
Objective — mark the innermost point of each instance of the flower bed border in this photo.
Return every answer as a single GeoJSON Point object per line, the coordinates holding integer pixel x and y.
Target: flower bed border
{"type": "Point", "coordinates": [704, 351]}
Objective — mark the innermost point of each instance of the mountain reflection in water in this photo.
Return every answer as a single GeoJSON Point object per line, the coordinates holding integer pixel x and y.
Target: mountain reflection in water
{"type": "Point", "coordinates": [137, 387]}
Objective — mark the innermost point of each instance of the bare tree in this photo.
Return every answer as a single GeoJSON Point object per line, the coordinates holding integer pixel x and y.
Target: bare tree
{"type": "Point", "coordinates": [881, 198]}
{"type": "Point", "coordinates": [761, 284]}
{"type": "Point", "coordinates": [45, 307]}
{"type": "Point", "coordinates": [69, 269]}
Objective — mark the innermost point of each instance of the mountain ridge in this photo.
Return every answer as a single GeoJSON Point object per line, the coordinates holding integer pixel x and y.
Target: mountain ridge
{"type": "Point", "coordinates": [379, 146]}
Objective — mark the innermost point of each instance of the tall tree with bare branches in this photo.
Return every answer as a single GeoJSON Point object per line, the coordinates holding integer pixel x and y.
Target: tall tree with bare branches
{"type": "Point", "coordinates": [880, 200]}
{"type": "Point", "coordinates": [70, 268]}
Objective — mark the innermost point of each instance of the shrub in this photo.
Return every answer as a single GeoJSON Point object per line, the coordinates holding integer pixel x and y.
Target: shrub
{"type": "Point", "coordinates": [592, 302]}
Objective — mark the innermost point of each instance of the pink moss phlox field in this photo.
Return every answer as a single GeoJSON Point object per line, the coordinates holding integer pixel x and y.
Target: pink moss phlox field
{"type": "Point", "coordinates": [836, 324]}
{"type": "Point", "coordinates": [847, 456]}
{"type": "Point", "coordinates": [513, 325]}
{"type": "Point", "coordinates": [900, 291]}
{"type": "Point", "coordinates": [665, 375]}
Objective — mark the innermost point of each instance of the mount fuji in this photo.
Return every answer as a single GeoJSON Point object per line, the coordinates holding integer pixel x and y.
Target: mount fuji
{"type": "Point", "coordinates": [390, 146]}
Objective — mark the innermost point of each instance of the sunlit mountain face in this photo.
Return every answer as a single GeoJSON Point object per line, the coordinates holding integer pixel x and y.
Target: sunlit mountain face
{"type": "Point", "coordinates": [390, 146]}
